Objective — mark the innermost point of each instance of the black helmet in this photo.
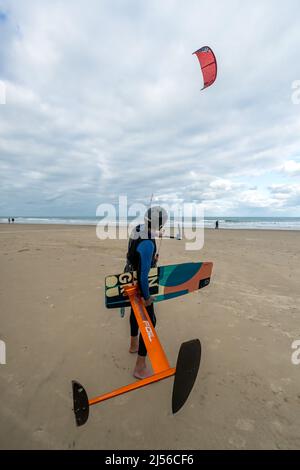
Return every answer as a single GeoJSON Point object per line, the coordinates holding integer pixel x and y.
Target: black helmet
{"type": "Point", "coordinates": [155, 218]}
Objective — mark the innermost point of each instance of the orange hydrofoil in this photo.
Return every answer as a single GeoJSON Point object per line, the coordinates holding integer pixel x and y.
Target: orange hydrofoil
{"type": "Point", "coordinates": [185, 373]}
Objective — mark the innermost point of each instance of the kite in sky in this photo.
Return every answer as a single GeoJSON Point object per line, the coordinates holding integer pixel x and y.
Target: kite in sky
{"type": "Point", "coordinates": [208, 64]}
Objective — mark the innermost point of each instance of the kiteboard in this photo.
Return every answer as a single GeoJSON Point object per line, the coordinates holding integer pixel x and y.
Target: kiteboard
{"type": "Point", "coordinates": [165, 282]}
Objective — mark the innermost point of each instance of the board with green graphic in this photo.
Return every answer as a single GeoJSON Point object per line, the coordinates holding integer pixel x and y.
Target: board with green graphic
{"type": "Point", "coordinates": [165, 282]}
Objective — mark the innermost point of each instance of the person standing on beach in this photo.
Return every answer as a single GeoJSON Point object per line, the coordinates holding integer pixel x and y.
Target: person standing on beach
{"type": "Point", "coordinates": [217, 225]}
{"type": "Point", "coordinates": [9, 220]}
{"type": "Point", "coordinates": [141, 257]}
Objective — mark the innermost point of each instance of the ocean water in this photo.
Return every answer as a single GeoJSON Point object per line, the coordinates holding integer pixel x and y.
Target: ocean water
{"type": "Point", "coordinates": [261, 223]}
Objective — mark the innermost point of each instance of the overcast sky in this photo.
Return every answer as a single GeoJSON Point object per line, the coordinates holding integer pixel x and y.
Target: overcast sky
{"type": "Point", "coordinates": [103, 98]}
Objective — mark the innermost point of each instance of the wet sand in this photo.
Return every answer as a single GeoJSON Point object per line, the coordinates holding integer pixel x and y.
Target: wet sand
{"type": "Point", "coordinates": [56, 328]}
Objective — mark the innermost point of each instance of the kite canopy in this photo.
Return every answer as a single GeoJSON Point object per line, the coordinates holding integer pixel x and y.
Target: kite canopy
{"type": "Point", "coordinates": [208, 64]}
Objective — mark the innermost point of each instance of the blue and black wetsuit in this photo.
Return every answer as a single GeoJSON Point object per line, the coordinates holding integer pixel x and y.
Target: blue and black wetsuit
{"type": "Point", "coordinates": [141, 258]}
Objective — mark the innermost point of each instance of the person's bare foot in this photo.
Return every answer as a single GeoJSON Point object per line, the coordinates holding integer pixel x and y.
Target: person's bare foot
{"type": "Point", "coordinates": [141, 371]}
{"type": "Point", "coordinates": [134, 344]}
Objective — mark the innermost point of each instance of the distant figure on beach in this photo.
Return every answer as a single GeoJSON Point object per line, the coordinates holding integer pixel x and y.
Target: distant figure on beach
{"type": "Point", "coordinates": [178, 236]}
{"type": "Point", "coordinates": [217, 225]}
{"type": "Point", "coordinates": [9, 220]}
{"type": "Point", "coordinates": [13, 220]}
{"type": "Point", "coordinates": [141, 257]}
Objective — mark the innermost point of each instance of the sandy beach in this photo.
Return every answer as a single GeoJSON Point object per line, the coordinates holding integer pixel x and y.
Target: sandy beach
{"type": "Point", "coordinates": [56, 329]}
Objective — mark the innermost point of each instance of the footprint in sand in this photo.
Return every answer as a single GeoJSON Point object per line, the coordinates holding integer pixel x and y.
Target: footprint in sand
{"type": "Point", "coordinates": [276, 389]}
{"type": "Point", "coordinates": [20, 386]}
{"type": "Point", "coordinates": [216, 343]}
{"type": "Point", "coordinates": [38, 431]}
{"type": "Point", "coordinates": [277, 426]}
{"type": "Point", "coordinates": [270, 404]}
{"type": "Point", "coordinates": [286, 381]}
{"type": "Point", "coordinates": [237, 442]}
{"type": "Point", "coordinates": [245, 425]}
{"type": "Point", "coordinates": [252, 339]}
{"type": "Point", "coordinates": [10, 378]}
